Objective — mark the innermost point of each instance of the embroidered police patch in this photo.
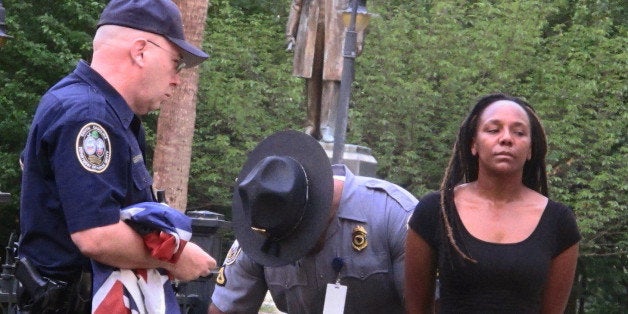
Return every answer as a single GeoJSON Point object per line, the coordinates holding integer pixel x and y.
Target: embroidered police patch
{"type": "Point", "coordinates": [233, 253]}
{"type": "Point", "coordinates": [93, 148]}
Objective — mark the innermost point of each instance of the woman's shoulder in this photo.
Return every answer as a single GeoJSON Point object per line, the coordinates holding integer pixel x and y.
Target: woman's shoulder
{"type": "Point", "coordinates": [556, 205]}
{"type": "Point", "coordinates": [557, 209]}
{"type": "Point", "coordinates": [561, 220]}
{"type": "Point", "coordinates": [425, 219]}
{"type": "Point", "coordinates": [430, 197]}
{"type": "Point", "coordinates": [429, 205]}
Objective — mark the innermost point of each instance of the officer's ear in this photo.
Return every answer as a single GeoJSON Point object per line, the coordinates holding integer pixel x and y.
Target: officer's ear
{"type": "Point", "coordinates": [137, 50]}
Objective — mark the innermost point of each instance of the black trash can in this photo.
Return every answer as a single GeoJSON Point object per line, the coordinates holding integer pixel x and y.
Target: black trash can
{"type": "Point", "coordinates": [208, 231]}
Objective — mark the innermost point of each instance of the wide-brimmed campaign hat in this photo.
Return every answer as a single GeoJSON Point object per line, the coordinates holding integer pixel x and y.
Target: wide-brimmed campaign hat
{"type": "Point", "coordinates": [282, 198]}
{"type": "Point", "coordinates": [160, 17]}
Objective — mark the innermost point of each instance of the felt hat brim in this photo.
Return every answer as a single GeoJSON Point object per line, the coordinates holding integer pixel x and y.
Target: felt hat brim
{"type": "Point", "coordinates": [312, 157]}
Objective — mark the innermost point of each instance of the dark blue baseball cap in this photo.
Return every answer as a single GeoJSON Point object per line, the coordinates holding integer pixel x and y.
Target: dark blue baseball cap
{"type": "Point", "coordinates": [160, 17]}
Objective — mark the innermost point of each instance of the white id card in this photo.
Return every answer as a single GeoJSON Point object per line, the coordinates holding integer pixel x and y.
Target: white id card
{"type": "Point", "coordinates": [335, 299]}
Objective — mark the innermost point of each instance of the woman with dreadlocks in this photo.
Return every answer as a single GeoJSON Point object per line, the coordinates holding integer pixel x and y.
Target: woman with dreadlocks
{"type": "Point", "coordinates": [490, 234]}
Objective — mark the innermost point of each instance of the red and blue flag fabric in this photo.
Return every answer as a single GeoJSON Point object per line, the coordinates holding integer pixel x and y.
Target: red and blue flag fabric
{"type": "Point", "coordinates": [165, 231]}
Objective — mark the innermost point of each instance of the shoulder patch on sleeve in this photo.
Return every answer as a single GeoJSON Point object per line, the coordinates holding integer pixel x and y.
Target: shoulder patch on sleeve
{"type": "Point", "coordinates": [93, 148]}
{"type": "Point", "coordinates": [233, 253]}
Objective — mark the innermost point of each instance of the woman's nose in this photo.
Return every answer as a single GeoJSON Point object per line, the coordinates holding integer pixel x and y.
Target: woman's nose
{"type": "Point", "coordinates": [506, 138]}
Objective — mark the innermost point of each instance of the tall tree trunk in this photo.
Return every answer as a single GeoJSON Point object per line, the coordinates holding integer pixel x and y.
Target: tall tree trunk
{"type": "Point", "coordinates": [175, 127]}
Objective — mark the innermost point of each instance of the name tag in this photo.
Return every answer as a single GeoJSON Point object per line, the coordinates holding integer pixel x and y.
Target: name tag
{"type": "Point", "coordinates": [138, 158]}
{"type": "Point", "coordinates": [335, 297]}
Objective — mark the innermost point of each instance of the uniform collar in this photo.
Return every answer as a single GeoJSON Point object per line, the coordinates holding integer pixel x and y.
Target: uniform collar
{"type": "Point", "coordinates": [100, 85]}
{"type": "Point", "coordinates": [348, 208]}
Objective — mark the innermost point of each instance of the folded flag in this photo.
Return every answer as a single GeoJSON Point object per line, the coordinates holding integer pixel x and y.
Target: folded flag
{"type": "Point", "coordinates": [165, 232]}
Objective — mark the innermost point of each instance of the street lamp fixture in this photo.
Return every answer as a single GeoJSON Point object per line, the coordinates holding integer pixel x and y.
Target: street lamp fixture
{"type": "Point", "coordinates": [362, 17]}
{"type": "Point", "coordinates": [356, 19]}
{"type": "Point", "coordinates": [3, 30]}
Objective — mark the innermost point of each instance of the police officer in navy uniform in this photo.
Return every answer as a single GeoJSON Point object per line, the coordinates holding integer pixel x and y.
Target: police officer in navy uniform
{"type": "Point", "coordinates": [316, 236]}
{"type": "Point", "coordinates": [84, 157]}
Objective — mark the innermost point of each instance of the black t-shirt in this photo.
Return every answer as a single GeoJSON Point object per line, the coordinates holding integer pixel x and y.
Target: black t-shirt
{"type": "Point", "coordinates": [507, 277]}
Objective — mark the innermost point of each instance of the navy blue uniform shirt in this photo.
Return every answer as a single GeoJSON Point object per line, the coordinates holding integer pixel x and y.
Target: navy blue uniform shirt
{"type": "Point", "coordinates": [83, 161]}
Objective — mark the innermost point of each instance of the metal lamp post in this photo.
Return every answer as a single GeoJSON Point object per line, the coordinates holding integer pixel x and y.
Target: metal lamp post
{"type": "Point", "coordinates": [3, 29]}
{"type": "Point", "coordinates": [357, 18]}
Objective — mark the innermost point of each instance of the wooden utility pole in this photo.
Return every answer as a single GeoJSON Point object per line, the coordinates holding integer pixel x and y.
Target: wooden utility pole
{"type": "Point", "coordinates": [175, 127]}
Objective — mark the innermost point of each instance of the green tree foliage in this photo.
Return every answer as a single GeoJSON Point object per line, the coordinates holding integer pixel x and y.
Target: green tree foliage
{"type": "Point", "coordinates": [583, 69]}
{"type": "Point", "coordinates": [424, 64]}
{"type": "Point", "coordinates": [245, 94]}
